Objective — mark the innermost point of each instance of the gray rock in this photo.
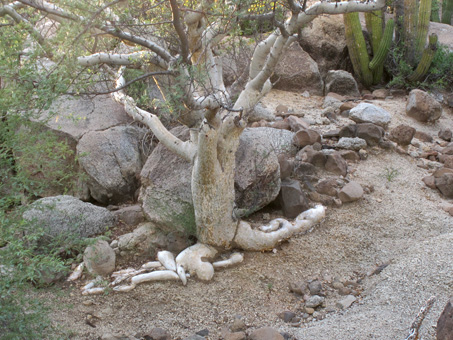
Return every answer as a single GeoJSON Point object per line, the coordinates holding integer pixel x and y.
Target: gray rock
{"type": "Point", "coordinates": [286, 166]}
{"type": "Point", "coordinates": [296, 71]}
{"type": "Point", "coordinates": [260, 112]}
{"type": "Point", "coordinates": [315, 287]}
{"type": "Point", "coordinates": [371, 133]}
{"type": "Point", "coordinates": [297, 123]}
{"type": "Point", "coordinates": [341, 82]}
{"type": "Point", "coordinates": [332, 101]}
{"type": "Point", "coordinates": [99, 258]}
{"type": "Point", "coordinates": [112, 159]}
{"type": "Point", "coordinates": [445, 322]}
{"type": "Point", "coordinates": [195, 337]}
{"type": "Point", "coordinates": [351, 192]}
{"type": "Point", "coordinates": [346, 302]}
{"type": "Point", "coordinates": [286, 316]}
{"type": "Point", "coordinates": [369, 113]}
{"type": "Point", "coordinates": [314, 301]}
{"type": "Point", "coordinates": [328, 187]}
{"type": "Point", "coordinates": [423, 107]}
{"type": "Point", "coordinates": [292, 199]}
{"type": "Point", "coordinates": [67, 215]}
{"type": "Point", "coordinates": [238, 325]}
{"type": "Point", "coordinates": [351, 143]}
{"type": "Point", "coordinates": [424, 137]}
{"type": "Point", "coordinates": [402, 134]}
{"type": "Point", "coordinates": [265, 333]}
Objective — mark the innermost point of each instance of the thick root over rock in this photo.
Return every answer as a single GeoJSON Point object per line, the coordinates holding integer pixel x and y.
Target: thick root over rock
{"type": "Point", "coordinates": [278, 230]}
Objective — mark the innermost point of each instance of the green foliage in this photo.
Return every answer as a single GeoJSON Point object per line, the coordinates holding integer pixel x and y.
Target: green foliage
{"type": "Point", "coordinates": [390, 174]}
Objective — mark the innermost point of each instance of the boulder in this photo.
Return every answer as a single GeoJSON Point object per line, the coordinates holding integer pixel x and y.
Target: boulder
{"type": "Point", "coordinates": [297, 123]}
{"type": "Point", "coordinates": [68, 216]}
{"type": "Point", "coordinates": [303, 138]}
{"type": "Point", "coordinates": [341, 82]}
{"type": "Point", "coordinates": [445, 322]}
{"type": "Point", "coordinates": [423, 107]}
{"type": "Point", "coordinates": [369, 113]}
{"type": "Point", "coordinates": [323, 39]}
{"type": "Point", "coordinates": [99, 258]}
{"type": "Point", "coordinates": [292, 199]}
{"type": "Point", "coordinates": [402, 134]}
{"type": "Point", "coordinates": [296, 71]}
{"type": "Point", "coordinates": [351, 192]}
{"type": "Point", "coordinates": [130, 215]}
{"type": "Point", "coordinates": [445, 184]}
{"type": "Point", "coordinates": [112, 159]}
{"type": "Point", "coordinates": [166, 178]}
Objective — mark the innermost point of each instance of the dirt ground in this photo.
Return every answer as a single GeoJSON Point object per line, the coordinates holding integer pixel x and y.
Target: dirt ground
{"type": "Point", "coordinates": [401, 223]}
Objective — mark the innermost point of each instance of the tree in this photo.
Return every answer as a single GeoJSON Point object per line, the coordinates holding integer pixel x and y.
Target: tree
{"type": "Point", "coordinates": [177, 40]}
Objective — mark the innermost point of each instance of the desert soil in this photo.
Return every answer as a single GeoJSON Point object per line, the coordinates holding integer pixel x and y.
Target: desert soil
{"type": "Point", "coordinates": [401, 223]}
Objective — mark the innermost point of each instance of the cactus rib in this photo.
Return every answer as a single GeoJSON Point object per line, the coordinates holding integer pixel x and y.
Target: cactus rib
{"type": "Point", "coordinates": [384, 46]}
{"type": "Point", "coordinates": [425, 61]}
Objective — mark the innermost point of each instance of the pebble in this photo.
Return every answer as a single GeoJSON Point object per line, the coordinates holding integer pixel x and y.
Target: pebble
{"type": "Point", "coordinates": [314, 301]}
{"type": "Point", "coordinates": [346, 302]}
{"type": "Point", "coordinates": [315, 287]}
{"type": "Point", "coordinates": [286, 316]}
{"type": "Point", "coordinates": [238, 325]}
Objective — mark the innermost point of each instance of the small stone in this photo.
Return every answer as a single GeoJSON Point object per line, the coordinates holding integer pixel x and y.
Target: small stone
{"type": "Point", "coordinates": [238, 325]}
{"type": "Point", "coordinates": [445, 184]}
{"type": "Point", "coordinates": [327, 187]}
{"type": "Point", "coordinates": [299, 288]}
{"type": "Point", "coordinates": [369, 113]}
{"type": "Point", "coordinates": [344, 291]}
{"type": "Point", "coordinates": [351, 192]}
{"type": "Point", "coordinates": [286, 316]}
{"type": "Point", "coordinates": [314, 301]}
{"type": "Point", "coordinates": [336, 164]}
{"type": "Point", "coordinates": [350, 155]}
{"type": "Point", "coordinates": [88, 302]}
{"type": "Point", "coordinates": [297, 123]}
{"type": "Point", "coordinates": [424, 137]}
{"type": "Point", "coordinates": [203, 332]}
{"type": "Point", "coordinates": [281, 110]}
{"type": "Point", "coordinates": [337, 285]}
{"type": "Point", "coordinates": [445, 134]}
{"type": "Point", "coordinates": [346, 106]}
{"type": "Point", "coordinates": [266, 333]}
{"type": "Point", "coordinates": [280, 124]}
{"type": "Point", "coordinates": [309, 310]}
{"type": "Point", "coordinates": [235, 336]}
{"type": "Point", "coordinates": [315, 287]}
{"type": "Point", "coordinates": [380, 93]}
{"type": "Point", "coordinates": [423, 107]}
{"type": "Point", "coordinates": [158, 334]}
{"type": "Point", "coordinates": [292, 199]}
{"type": "Point", "coordinates": [429, 181]}
{"type": "Point", "coordinates": [346, 302]}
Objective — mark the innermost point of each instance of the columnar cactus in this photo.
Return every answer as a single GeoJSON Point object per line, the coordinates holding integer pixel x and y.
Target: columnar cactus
{"type": "Point", "coordinates": [425, 61]}
{"type": "Point", "coordinates": [447, 12]}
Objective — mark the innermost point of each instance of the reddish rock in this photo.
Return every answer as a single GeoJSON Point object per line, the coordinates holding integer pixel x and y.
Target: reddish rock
{"type": "Point", "coordinates": [402, 134]}
{"type": "Point", "coordinates": [323, 199]}
{"type": "Point", "coordinates": [336, 96]}
{"type": "Point", "coordinates": [380, 93]}
{"type": "Point", "coordinates": [158, 334]}
{"type": "Point", "coordinates": [348, 131]}
{"type": "Point", "coordinates": [423, 107]}
{"type": "Point", "coordinates": [445, 184]}
{"type": "Point", "coordinates": [445, 323]}
{"type": "Point", "coordinates": [440, 172]}
{"type": "Point", "coordinates": [306, 137]}
{"type": "Point", "coordinates": [336, 164]}
{"type": "Point", "coordinates": [445, 134]}
{"type": "Point", "coordinates": [328, 187]}
{"type": "Point", "coordinates": [286, 166]}
{"type": "Point", "coordinates": [351, 192]}
{"type": "Point", "coordinates": [429, 182]}
{"type": "Point", "coordinates": [341, 82]}
{"type": "Point", "coordinates": [281, 110]}
{"type": "Point", "coordinates": [347, 106]}
{"type": "Point", "coordinates": [424, 137]}
{"type": "Point", "coordinates": [297, 123]}
{"type": "Point", "coordinates": [367, 96]}
{"type": "Point", "coordinates": [132, 215]}
{"type": "Point", "coordinates": [317, 158]}
{"type": "Point", "coordinates": [448, 161]}
{"type": "Point", "coordinates": [350, 155]}
{"type": "Point", "coordinates": [280, 124]}
{"type": "Point", "coordinates": [448, 150]}
{"type": "Point", "coordinates": [266, 333]}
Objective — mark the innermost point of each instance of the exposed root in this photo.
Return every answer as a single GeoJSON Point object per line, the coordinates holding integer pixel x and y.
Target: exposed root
{"type": "Point", "coordinates": [192, 260]}
{"type": "Point", "coordinates": [413, 332]}
{"type": "Point", "coordinates": [276, 231]}
{"type": "Point", "coordinates": [195, 259]}
{"type": "Point", "coordinates": [77, 272]}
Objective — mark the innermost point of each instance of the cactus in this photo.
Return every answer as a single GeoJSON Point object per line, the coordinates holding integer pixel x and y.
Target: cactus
{"type": "Point", "coordinates": [435, 11]}
{"type": "Point", "coordinates": [424, 14]}
{"type": "Point", "coordinates": [425, 61]}
{"type": "Point", "coordinates": [447, 12]}
{"type": "Point", "coordinates": [384, 46]}
{"type": "Point", "coordinates": [357, 48]}
{"type": "Point", "coordinates": [374, 22]}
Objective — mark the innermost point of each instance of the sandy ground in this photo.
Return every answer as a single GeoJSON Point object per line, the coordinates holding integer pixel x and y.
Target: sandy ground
{"type": "Point", "coordinates": [401, 223]}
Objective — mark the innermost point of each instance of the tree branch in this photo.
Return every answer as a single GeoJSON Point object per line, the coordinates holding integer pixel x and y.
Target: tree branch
{"type": "Point", "coordinates": [185, 150]}
{"type": "Point", "coordinates": [180, 31]}
{"type": "Point", "coordinates": [136, 58]}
